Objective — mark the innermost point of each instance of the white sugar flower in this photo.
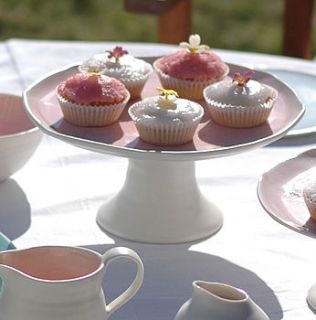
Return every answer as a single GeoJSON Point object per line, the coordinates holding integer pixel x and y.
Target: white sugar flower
{"type": "Point", "coordinates": [194, 44]}
{"type": "Point", "coordinates": [92, 65]}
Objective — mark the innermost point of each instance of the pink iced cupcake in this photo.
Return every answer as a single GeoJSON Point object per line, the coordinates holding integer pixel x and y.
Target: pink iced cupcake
{"type": "Point", "coordinates": [92, 99]}
{"type": "Point", "coordinates": [190, 70]}
{"type": "Point", "coordinates": [240, 102]}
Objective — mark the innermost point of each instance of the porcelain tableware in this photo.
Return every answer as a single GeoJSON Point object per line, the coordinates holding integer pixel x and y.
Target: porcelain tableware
{"type": "Point", "coordinates": [19, 137]}
{"type": "Point", "coordinates": [218, 301]}
{"type": "Point", "coordinates": [303, 83]}
{"type": "Point", "coordinates": [143, 210]}
{"type": "Point", "coordinates": [121, 139]}
{"type": "Point", "coordinates": [58, 282]}
{"type": "Point", "coordinates": [280, 191]}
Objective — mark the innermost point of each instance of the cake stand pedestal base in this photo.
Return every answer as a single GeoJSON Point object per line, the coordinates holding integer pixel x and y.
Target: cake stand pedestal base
{"type": "Point", "coordinates": [160, 202]}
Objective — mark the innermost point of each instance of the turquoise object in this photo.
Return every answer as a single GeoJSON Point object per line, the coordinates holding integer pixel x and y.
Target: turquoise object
{"type": "Point", "coordinates": [5, 244]}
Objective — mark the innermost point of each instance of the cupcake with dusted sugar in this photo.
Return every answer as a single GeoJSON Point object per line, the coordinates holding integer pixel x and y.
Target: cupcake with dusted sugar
{"type": "Point", "coordinates": [190, 69]}
{"type": "Point", "coordinates": [119, 64]}
{"type": "Point", "coordinates": [240, 102]}
{"type": "Point", "coordinates": [90, 99]}
{"type": "Point", "coordinates": [166, 119]}
{"type": "Point", "coordinates": [309, 196]}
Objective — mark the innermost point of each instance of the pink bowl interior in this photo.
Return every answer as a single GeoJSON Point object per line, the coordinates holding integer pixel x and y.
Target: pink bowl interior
{"type": "Point", "coordinates": [52, 262]}
{"type": "Point", "coordinates": [13, 118]}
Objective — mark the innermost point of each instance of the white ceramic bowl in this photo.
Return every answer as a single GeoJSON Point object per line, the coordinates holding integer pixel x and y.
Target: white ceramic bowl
{"type": "Point", "coordinates": [19, 137]}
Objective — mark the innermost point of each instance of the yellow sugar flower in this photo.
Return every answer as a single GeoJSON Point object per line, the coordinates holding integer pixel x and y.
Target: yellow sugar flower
{"type": "Point", "coordinates": [168, 97]}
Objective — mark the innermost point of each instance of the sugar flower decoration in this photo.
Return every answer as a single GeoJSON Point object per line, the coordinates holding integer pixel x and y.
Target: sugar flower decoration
{"type": "Point", "coordinates": [168, 97]}
{"type": "Point", "coordinates": [117, 53]}
{"type": "Point", "coordinates": [92, 66]}
{"type": "Point", "coordinates": [194, 45]}
{"type": "Point", "coordinates": [242, 78]}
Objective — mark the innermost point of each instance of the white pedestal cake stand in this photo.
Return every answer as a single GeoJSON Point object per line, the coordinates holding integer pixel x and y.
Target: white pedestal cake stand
{"type": "Point", "coordinates": [160, 201]}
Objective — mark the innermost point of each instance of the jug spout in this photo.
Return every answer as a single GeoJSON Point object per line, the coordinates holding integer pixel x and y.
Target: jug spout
{"type": "Point", "coordinates": [219, 301]}
{"type": "Point", "coordinates": [218, 291]}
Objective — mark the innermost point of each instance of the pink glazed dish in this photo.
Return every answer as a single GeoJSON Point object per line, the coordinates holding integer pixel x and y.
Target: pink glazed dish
{"type": "Point", "coordinates": [19, 136]}
{"type": "Point", "coordinates": [122, 139]}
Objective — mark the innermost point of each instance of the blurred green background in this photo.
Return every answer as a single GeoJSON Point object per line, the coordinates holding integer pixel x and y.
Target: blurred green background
{"type": "Point", "coordinates": [252, 25]}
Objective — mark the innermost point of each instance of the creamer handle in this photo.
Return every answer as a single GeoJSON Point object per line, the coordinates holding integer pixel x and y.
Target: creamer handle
{"type": "Point", "coordinates": [121, 252]}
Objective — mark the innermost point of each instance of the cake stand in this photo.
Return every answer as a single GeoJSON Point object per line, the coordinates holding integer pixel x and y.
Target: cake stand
{"type": "Point", "coordinates": [280, 191]}
{"type": "Point", "coordinates": [160, 201]}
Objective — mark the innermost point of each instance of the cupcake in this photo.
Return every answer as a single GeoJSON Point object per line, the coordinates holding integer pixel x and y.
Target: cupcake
{"type": "Point", "coordinates": [88, 99]}
{"type": "Point", "coordinates": [240, 102]}
{"type": "Point", "coordinates": [132, 72]}
{"type": "Point", "coordinates": [309, 195]}
{"type": "Point", "coordinates": [189, 70]}
{"type": "Point", "coordinates": [166, 119]}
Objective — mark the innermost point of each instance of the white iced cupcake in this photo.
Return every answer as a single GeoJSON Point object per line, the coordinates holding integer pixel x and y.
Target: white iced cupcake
{"type": "Point", "coordinates": [131, 71]}
{"type": "Point", "coordinates": [166, 119]}
{"type": "Point", "coordinates": [240, 102]}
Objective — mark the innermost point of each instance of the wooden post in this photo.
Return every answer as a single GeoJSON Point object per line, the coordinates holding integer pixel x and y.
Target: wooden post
{"type": "Point", "coordinates": [149, 6]}
{"type": "Point", "coordinates": [175, 25]}
{"type": "Point", "coordinates": [174, 17]}
{"type": "Point", "coordinates": [297, 28]}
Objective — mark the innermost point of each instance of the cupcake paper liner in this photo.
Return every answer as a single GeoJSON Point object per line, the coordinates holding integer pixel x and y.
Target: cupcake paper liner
{"type": "Point", "coordinates": [166, 134]}
{"type": "Point", "coordinates": [239, 116]}
{"type": "Point", "coordinates": [160, 133]}
{"type": "Point", "coordinates": [189, 89]}
{"type": "Point", "coordinates": [89, 115]}
{"type": "Point", "coordinates": [134, 85]}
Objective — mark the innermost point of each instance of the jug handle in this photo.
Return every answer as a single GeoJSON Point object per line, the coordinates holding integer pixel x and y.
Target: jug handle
{"type": "Point", "coordinates": [122, 252]}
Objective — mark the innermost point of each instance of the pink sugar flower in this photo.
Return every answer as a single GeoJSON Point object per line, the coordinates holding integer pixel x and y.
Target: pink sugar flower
{"type": "Point", "coordinates": [117, 53]}
{"type": "Point", "coordinates": [242, 78]}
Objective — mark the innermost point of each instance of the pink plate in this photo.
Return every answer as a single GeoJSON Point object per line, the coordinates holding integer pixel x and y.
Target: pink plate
{"type": "Point", "coordinates": [210, 140]}
{"type": "Point", "coordinates": [280, 192]}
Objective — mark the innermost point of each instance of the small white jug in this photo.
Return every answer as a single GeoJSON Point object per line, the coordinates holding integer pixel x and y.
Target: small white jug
{"type": "Point", "coordinates": [218, 301]}
{"type": "Point", "coordinates": [58, 282]}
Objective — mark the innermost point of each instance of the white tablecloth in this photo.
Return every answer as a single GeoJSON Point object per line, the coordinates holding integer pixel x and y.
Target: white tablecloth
{"type": "Point", "coordinates": [55, 197]}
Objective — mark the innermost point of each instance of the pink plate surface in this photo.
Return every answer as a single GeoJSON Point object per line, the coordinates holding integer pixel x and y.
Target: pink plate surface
{"type": "Point", "coordinates": [210, 140]}
{"type": "Point", "coordinates": [280, 192]}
